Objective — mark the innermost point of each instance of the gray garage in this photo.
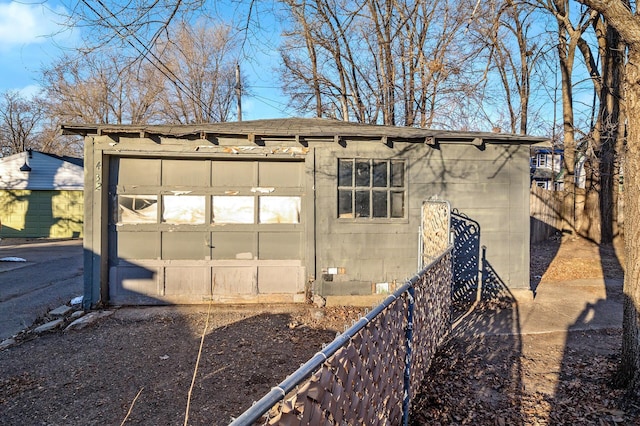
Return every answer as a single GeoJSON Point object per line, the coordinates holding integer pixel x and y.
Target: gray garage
{"type": "Point", "coordinates": [271, 210]}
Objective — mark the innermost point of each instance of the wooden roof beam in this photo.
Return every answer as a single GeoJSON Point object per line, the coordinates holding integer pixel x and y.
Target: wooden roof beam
{"type": "Point", "coordinates": [431, 141]}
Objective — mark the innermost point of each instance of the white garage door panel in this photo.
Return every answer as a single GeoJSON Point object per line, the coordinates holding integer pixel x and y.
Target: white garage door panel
{"type": "Point", "coordinates": [230, 280]}
{"type": "Point", "coordinates": [280, 279]}
{"type": "Point", "coordinates": [187, 281]}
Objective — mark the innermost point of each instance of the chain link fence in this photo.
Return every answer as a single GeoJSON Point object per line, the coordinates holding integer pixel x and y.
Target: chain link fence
{"type": "Point", "coordinates": [369, 373]}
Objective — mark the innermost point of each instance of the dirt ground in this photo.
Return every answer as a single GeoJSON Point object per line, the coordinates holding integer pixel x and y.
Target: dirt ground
{"type": "Point", "coordinates": [136, 366]}
{"type": "Point", "coordinates": [559, 378]}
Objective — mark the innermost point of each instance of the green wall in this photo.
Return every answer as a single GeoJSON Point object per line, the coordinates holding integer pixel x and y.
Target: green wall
{"type": "Point", "coordinates": [41, 214]}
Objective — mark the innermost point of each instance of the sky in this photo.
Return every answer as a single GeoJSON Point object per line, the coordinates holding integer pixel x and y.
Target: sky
{"type": "Point", "coordinates": [32, 35]}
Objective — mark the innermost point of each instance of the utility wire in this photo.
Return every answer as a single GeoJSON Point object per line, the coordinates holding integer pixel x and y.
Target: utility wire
{"type": "Point", "coordinates": [146, 52]}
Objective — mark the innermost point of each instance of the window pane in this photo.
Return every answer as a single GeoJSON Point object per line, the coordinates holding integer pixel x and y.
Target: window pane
{"type": "Point", "coordinates": [380, 174]}
{"type": "Point", "coordinates": [345, 173]}
{"type": "Point", "coordinates": [379, 203]}
{"type": "Point", "coordinates": [280, 209]}
{"type": "Point", "coordinates": [183, 209]}
{"type": "Point", "coordinates": [397, 204]}
{"type": "Point", "coordinates": [397, 174]}
{"type": "Point", "coordinates": [362, 203]}
{"type": "Point", "coordinates": [232, 209]}
{"type": "Point", "coordinates": [362, 173]}
{"type": "Point", "coordinates": [345, 209]}
{"type": "Point", "coordinates": [137, 209]}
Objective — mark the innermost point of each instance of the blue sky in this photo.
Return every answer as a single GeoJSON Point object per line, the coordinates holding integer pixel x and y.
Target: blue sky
{"type": "Point", "coordinates": [29, 37]}
{"type": "Point", "coordinates": [32, 35]}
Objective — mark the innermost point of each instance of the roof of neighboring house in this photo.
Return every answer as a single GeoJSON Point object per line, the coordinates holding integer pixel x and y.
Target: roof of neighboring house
{"type": "Point", "coordinates": [307, 128]}
{"type": "Point", "coordinates": [44, 172]}
{"type": "Point", "coordinates": [546, 150]}
{"type": "Point", "coordinates": [73, 160]}
{"type": "Point", "coordinates": [546, 174]}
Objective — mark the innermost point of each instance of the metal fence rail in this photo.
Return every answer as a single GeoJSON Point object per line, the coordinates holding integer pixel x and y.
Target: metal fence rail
{"type": "Point", "coordinates": [368, 374]}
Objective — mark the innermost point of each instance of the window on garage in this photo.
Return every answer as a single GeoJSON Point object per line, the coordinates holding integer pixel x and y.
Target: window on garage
{"type": "Point", "coordinates": [371, 189]}
{"type": "Point", "coordinates": [183, 209]}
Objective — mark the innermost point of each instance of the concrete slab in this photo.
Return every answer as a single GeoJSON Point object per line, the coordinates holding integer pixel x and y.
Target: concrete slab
{"type": "Point", "coordinates": [87, 320]}
{"type": "Point", "coordinates": [558, 306]}
{"type": "Point", "coordinates": [7, 343]}
{"type": "Point", "coordinates": [51, 325]}
{"type": "Point", "coordinates": [359, 300]}
{"type": "Point", "coordinates": [60, 311]}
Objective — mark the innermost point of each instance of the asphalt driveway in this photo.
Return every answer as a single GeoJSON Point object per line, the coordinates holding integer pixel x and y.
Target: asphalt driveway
{"type": "Point", "coordinates": [51, 275]}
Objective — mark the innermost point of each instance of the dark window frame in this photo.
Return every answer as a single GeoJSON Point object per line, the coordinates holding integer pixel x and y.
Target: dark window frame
{"type": "Point", "coordinates": [371, 190]}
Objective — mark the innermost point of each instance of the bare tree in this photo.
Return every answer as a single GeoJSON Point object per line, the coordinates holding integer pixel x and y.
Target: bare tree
{"type": "Point", "coordinates": [93, 89]}
{"type": "Point", "coordinates": [508, 35]}
{"type": "Point", "coordinates": [379, 61]}
{"type": "Point", "coordinates": [20, 119]}
{"type": "Point", "coordinates": [608, 134]}
{"type": "Point", "coordinates": [196, 83]}
{"type": "Point", "coordinates": [192, 81]}
{"type": "Point", "coordinates": [569, 36]}
{"type": "Point", "coordinates": [133, 26]}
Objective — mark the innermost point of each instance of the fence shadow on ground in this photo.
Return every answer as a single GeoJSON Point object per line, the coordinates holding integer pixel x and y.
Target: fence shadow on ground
{"type": "Point", "coordinates": [482, 306]}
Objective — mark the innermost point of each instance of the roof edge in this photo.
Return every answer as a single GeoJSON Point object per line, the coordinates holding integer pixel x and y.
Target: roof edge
{"type": "Point", "coordinates": [302, 128]}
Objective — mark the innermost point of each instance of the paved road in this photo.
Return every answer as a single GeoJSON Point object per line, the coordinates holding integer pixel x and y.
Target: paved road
{"type": "Point", "coordinates": [51, 276]}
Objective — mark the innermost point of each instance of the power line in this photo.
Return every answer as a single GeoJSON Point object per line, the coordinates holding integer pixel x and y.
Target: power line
{"type": "Point", "coordinates": [146, 52]}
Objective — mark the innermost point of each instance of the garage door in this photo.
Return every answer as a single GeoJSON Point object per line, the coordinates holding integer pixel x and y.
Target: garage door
{"type": "Point", "coordinates": [191, 230]}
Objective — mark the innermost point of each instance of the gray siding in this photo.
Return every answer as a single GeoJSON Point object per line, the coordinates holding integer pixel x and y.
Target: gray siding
{"type": "Point", "coordinates": [488, 185]}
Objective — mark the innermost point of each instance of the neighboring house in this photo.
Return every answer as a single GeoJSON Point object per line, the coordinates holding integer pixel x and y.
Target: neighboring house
{"type": "Point", "coordinates": [547, 171]}
{"type": "Point", "coordinates": [41, 195]}
{"type": "Point", "coordinates": [269, 210]}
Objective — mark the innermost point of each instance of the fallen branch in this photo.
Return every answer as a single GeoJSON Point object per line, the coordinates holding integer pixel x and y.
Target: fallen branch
{"type": "Point", "coordinates": [131, 407]}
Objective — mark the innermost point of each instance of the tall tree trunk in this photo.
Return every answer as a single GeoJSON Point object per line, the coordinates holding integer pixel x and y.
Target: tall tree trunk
{"type": "Point", "coordinates": [566, 52]}
{"type": "Point", "coordinates": [609, 121]}
{"type": "Point", "coordinates": [630, 362]}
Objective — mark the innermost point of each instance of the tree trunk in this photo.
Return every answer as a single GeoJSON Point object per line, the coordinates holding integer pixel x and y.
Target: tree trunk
{"type": "Point", "coordinates": [566, 55]}
{"type": "Point", "coordinates": [609, 123]}
{"type": "Point", "coordinates": [630, 362]}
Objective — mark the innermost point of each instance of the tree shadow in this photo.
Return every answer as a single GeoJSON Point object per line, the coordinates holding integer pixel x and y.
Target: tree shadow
{"type": "Point", "coordinates": [245, 350]}
{"type": "Point", "coordinates": [591, 356]}
{"type": "Point", "coordinates": [542, 254]}
{"type": "Point", "coordinates": [144, 359]}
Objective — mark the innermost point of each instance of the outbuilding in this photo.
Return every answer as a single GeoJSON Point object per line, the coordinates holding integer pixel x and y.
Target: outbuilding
{"type": "Point", "coordinates": [41, 195]}
{"type": "Point", "coordinates": [274, 210]}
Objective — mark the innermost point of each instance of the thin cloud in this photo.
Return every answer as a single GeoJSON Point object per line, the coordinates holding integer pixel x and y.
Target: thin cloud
{"type": "Point", "coordinates": [25, 24]}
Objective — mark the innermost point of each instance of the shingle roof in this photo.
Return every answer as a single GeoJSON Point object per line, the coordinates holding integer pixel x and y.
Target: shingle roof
{"type": "Point", "coordinates": [303, 128]}
{"type": "Point", "coordinates": [72, 160]}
